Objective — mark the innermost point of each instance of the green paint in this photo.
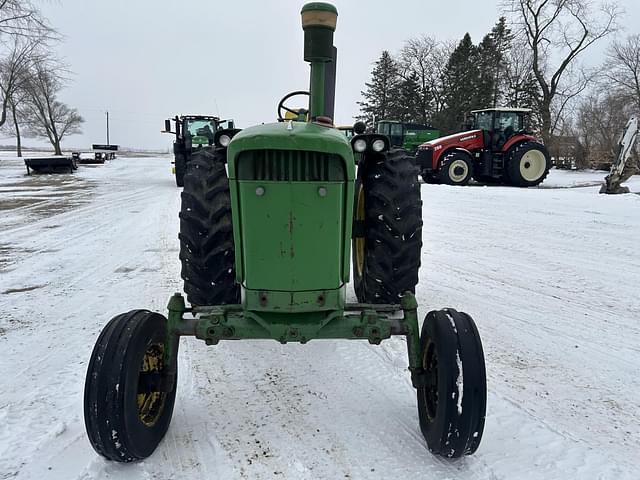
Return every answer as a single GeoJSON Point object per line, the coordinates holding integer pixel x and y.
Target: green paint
{"type": "Point", "coordinates": [410, 309]}
{"type": "Point", "coordinates": [407, 135]}
{"type": "Point", "coordinates": [176, 309]}
{"type": "Point", "coordinates": [294, 302]}
{"type": "Point", "coordinates": [316, 98]}
{"type": "Point", "coordinates": [199, 140]}
{"type": "Point", "coordinates": [228, 324]}
{"type": "Point", "coordinates": [291, 238]}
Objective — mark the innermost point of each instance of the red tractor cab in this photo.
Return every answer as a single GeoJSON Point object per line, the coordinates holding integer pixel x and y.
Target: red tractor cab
{"type": "Point", "coordinates": [497, 149]}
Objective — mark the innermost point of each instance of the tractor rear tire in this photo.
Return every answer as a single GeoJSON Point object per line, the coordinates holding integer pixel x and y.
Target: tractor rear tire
{"type": "Point", "coordinates": [452, 402]}
{"type": "Point", "coordinates": [456, 168]}
{"type": "Point", "coordinates": [206, 232]}
{"type": "Point", "coordinates": [528, 164]}
{"type": "Point", "coordinates": [388, 209]}
{"type": "Point", "coordinates": [126, 417]}
{"type": "Point", "coordinates": [180, 166]}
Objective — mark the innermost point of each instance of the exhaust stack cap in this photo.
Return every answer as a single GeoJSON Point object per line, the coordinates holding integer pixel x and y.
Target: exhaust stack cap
{"type": "Point", "coordinates": [318, 22]}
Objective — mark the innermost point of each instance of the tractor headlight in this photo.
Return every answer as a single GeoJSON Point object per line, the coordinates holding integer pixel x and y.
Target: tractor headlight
{"type": "Point", "coordinates": [224, 140]}
{"type": "Point", "coordinates": [378, 145]}
{"type": "Point", "coordinates": [360, 145]}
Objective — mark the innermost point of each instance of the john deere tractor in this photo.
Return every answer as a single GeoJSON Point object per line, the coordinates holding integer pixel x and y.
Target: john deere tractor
{"type": "Point", "coordinates": [193, 133]}
{"type": "Point", "coordinates": [407, 135]}
{"type": "Point", "coordinates": [265, 254]}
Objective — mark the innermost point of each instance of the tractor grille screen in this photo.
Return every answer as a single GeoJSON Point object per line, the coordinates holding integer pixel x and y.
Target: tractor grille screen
{"type": "Point", "coordinates": [290, 166]}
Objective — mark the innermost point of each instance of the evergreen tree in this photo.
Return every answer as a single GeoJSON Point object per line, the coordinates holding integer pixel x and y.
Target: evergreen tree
{"type": "Point", "coordinates": [410, 100]}
{"type": "Point", "coordinates": [462, 81]}
{"type": "Point", "coordinates": [381, 97]}
{"type": "Point", "coordinates": [492, 54]}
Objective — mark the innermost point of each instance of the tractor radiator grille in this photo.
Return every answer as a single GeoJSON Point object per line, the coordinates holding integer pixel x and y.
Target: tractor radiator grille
{"type": "Point", "coordinates": [290, 166]}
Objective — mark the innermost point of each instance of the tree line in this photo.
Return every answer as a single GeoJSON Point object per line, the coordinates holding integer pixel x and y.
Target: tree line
{"type": "Point", "coordinates": [32, 77]}
{"type": "Point", "coordinates": [533, 57]}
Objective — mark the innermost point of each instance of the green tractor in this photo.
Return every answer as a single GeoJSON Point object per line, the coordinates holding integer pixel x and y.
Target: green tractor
{"type": "Point", "coordinates": [266, 254]}
{"type": "Point", "coordinates": [193, 133]}
{"type": "Point", "coordinates": [407, 135]}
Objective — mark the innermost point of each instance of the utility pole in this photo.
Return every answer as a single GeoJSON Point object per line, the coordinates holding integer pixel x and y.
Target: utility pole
{"type": "Point", "coordinates": [107, 112]}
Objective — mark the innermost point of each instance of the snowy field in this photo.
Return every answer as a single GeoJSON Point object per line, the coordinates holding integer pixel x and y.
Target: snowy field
{"type": "Point", "coordinates": [551, 276]}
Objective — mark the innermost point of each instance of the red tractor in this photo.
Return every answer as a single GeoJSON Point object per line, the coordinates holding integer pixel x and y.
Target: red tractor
{"type": "Point", "coordinates": [497, 149]}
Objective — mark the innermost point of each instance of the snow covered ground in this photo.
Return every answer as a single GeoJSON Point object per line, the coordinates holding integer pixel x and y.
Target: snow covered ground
{"type": "Point", "coordinates": [551, 276]}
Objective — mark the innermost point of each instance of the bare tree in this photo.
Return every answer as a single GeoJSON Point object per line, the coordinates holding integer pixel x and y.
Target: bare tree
{"type": "Point", "coordinates": [45, 115]}
{"type": "Point", "coordinates": [22, 18]}
{"type": "Point", "coordinates": [14, 68]}
{"type": "Point", "coordinates": [427, 58]}
{"type": "Point", "coordinates": [622, 68]}
{"type": "Point", "coordinates": [600, 120]}
{"type": "Point", "coordinates": [557, 33]}
{"type": "Point", "coordinates": [16, 115]}
{"type": "Point", "coordinates": [521, 89]}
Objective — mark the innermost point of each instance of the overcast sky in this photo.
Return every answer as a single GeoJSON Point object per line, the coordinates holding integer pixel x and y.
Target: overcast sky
{"type": "Point", "coordinates": [146, 60]}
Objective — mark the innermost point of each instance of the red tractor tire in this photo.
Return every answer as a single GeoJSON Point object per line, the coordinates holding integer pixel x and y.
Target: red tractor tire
{"type": "Point", "coordinates": [456, 168]}
{"type": "Point", "coordinates": [527, 165]}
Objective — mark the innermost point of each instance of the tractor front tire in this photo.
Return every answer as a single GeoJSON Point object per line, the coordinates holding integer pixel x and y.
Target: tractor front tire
{"type": "Point", "coordinates": [528, 164]}
{"type": "Point", "coordinates": [126, 410]}
{"type": "Point", "coordinates": [453, 398]}
{"type": "Point", "coordinates": [456, 168]}
{"type": "Point", "coordinates": [388, 213]}
{"type": "Point", "coordinates": [206, 232]}
{"type": "Point", "coordinates": [180, 166]}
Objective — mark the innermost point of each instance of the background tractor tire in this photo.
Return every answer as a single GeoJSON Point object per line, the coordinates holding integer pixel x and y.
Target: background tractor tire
{"type": "Point", "coordinates": [456, 168]}
{"type": "Point", "coordinates": [429, 177]}
{"type": "Point", "coordinates": [452, 421]}
{"type": "Point", "coordinates": [486, 180]}
{"type": "Point", "coordinates": [126, 420]}
{"type": "Point", "coordinates": [388, 214]}
{"type": "Point", "coordinates": [206, 232]}
{"type": "Point", "coordinates": [180, 166]}
{"type": "Point", "coordinates": [528, 164]}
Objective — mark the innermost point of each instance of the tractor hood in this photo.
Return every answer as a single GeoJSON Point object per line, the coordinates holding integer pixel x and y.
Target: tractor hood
{"type": "Point", "coordinates": [300, 136]}
{"type": "Point", "coordinates": [454, 139]}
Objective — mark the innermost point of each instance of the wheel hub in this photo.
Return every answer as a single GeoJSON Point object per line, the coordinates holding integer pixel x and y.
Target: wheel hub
{"type": "Point", "coordinates": [430, 367]}
{"type": "Point", "coordinates": [533, 165]}
{"type": "Point", "coordinates": [458, 171]}
{"type": "Point", "coordinates": [151, 403]}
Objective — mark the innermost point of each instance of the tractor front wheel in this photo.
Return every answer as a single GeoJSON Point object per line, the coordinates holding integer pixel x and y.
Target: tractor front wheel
{"type": "Point", "coordinates": [128, 394]}
{"type": "Point", "coordinates": [452, 398]}
{"type": "Point", "coordinates": [528, 164]}
{"type": "Point", "coordinates": [456, 168]}
{"type": "Point", "coordinates": [388, 222]}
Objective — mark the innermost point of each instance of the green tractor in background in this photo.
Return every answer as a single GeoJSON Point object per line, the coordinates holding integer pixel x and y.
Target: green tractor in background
{"type": "Point", "coordinates": [266, 254]}
{"type": "Point", "coordinates": [193, 133]}
{"type": "Point", "coordinates": [406, 135]}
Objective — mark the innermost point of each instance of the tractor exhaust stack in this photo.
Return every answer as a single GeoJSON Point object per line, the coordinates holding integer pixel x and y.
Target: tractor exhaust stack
{"type": "Point", "coordinates": [319, 22]}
